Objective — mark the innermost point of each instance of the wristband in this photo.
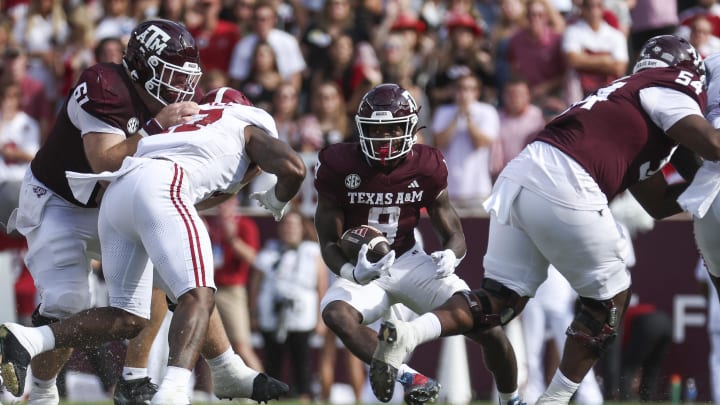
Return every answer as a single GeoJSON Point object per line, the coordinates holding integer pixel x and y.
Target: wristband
{"type": "Point", "coordinates": [347, 271]}
{"type": "Point", "coordinates": [151, 127]}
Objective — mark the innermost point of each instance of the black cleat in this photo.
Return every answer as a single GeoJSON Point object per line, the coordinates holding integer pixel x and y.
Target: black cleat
{"type": "Point", "coordinates": [15, 361]}
{"type": "Point", "coordinates": [134, 392]}
{"type": "Point", "coordinates": [382, 374]}
{"type": "Point", "coordinates": [266, 388]}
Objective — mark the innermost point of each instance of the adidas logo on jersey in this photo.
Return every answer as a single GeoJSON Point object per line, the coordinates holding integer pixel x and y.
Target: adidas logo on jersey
{"type": "Point", "coordinates": [414, 184]}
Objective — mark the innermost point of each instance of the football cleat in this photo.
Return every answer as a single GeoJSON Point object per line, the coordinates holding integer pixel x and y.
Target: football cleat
{"type": "Point", "coordinates": [138, 391]}
{"type": "Point", "coordinates": [419, 389]}
{"type": "Point", "coordinates": [393, 345]}
{"type": "Point", "coordinates": [266, 388]}
{"type": "Point", "coordinates": [15, 361]}
{"type": "Point", "coordinates": [236, 380]}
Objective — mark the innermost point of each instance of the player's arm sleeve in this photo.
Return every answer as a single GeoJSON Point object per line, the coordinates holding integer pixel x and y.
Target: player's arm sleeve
{"type": "Point", "coordinates": [87, 122]}
{"type": "Point", "coordinates": [667, 106]}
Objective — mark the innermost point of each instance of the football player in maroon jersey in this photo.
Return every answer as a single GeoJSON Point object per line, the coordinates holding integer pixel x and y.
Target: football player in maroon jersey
{"type": "Point", "coordinates": [385, 181]}
{"type": "Point", "coordinates": [109, 110]}
{"type": "Point", "coordinates": [550, 206]}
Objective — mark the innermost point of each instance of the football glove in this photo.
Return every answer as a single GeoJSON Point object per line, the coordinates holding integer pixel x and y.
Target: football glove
{"type": "Point", "coordinates": [446, 262]}
{"type": "Point", "coordinates": [366, 271]}
{"type": "Point", "coordinates": [268, 200]}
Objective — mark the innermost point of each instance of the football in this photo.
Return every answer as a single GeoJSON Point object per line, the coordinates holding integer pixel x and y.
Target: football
{"type": "Point", "coordinates": [353, 239]}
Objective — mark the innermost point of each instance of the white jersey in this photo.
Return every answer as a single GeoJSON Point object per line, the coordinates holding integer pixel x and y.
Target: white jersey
{"type": "Point", "coordinates": [210, 149]}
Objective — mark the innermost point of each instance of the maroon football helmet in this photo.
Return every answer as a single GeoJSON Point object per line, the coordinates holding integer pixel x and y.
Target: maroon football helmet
{"type": "Point", "coordinates": [161, 55]}
{"type": "Point", "coordinates": [225, 95]}
{"type": "Point", "coordinates": [669, 50]}
{"type": "Point", "coordinates": [387, 121]}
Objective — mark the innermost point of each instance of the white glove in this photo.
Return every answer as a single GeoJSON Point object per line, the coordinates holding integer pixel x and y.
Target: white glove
{"type": "Point", "coordinates": [268, 200]}
{"type": "Point", "coordinates": [446, 262]}
{"type": "Point", "coordinates": [365, 271]}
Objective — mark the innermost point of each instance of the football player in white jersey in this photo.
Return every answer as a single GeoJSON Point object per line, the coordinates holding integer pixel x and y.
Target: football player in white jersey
{"type": "Point", "coordinates": [149, 211]}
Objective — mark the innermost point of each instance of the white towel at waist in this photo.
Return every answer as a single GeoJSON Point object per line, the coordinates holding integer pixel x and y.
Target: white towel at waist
{"type": "Point", "coordinates": [83, 184]}
{"type": "Point", "coordinates": [501, 199]}
{"type": "Point", "coordinates": [701, 193]}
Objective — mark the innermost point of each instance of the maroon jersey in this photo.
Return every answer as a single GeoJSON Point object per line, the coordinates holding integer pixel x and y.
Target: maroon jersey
{"type": "Point", "coordinates": [106, 92]}
{"type": "Point", "coordinates": [610, 134]}
{"type": "Point", "coordinates": [390, 202]}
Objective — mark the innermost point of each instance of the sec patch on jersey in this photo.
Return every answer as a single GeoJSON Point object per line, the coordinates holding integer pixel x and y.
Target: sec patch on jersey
{"type": "Point", "coordinates": [352, 240]}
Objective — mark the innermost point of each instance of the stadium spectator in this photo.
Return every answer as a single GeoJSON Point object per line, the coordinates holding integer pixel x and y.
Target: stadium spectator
{"type": "Point", "coordinates": [464, 131]}
{"type": "Point", "coordinates": [19, 141]}
{"type": "Point", "coordinates": [235, 242]}
{"type": "Point", "coordinates": [651, 18]}
{"type": "Point", "coordinates": [520, 121]}
{"type": "Point", "coordinates": [596, 52]}
{"type": "Point", "coordinates": [337, 18]}
{"type": "Point", "coordinates": [461, 55]}
{"type": "Point", "coordinates": [352, 66]}
{"type": "Point", "coordinates": [285, 110]}
{"type": "Point", "coordinates": [264, 77]}
{"type": "Point", "coordinates": [34, 101]}
{"type": "Point", "coordinates": [706, 8]}
{"type": "Point", "coordinates": [42, 32]}
{"type": "Point", "coordinates": [511, 18]}
{"type": "Point", "coordinates": [701, 37]}
{"type": "Point", "coordinates": [215, 37]}
{"type": "Point", "coordinates": [535, 53]}
{"type": "Point", "coordinates": [327, 123]}
{"type": "Point", "coordinates": [109, 50]}
{"type": "Point", "coordinates": [288, 281]}
{"type": "Point", "coordinates": [290, 65]}
{"type": "Point", "coordinates": [117, 21]}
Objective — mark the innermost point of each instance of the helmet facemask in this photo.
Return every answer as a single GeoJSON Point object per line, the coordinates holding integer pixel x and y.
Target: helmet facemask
{"type": "Point", "coordinates": [172, 83]}
{"type": "Point", "coordinates": [384, 138]}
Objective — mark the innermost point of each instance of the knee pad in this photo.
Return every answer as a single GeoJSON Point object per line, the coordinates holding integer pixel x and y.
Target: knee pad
{"type": "Point", "coordinates": [481, 307]}
{"type": "Point", "coordinates": [41, 320]}
{"type": "Point", "coordinates": [602, 331]}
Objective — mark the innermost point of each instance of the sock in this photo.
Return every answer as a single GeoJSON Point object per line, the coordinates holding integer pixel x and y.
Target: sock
{"type": "Point", "coordinates": [176, 378]}
{"type": "Point", "coordinates": [560, 391]}
{"type": "Point", "coordinates": [426, 328]}
{"type": "Point", "coordinates": [43, 384]}
{"type": "Point", "coordinates": [230, 357]}
{"type": "Point", "coordinates": [34, 340]}
{"type": "Point", "coordinates": [221, 359]}
{"type": "Point", "coordinates": [505, 398]}
{"type": "Point", "coordinates": [134, 373]}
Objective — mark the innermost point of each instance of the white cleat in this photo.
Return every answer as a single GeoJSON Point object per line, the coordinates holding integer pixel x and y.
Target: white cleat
{"type": "Point", "coordinates": [394, 343]}
{"type": "Point", "coordinates": [237, 380]}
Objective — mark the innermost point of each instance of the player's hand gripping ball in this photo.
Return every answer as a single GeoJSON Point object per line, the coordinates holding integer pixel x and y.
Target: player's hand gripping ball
{"type": "Point", "coordinates": [353, 239]}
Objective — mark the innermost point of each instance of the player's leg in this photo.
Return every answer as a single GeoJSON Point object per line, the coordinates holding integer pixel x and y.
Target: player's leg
{"type": "Point", "coordinates": [60, 267]}
{"type": "Point", "coordinates": [232, 378]}
{"type": "Point", "coordinates": [134, 386]}
{"type": "Point", "coordinates": [588, 249]}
